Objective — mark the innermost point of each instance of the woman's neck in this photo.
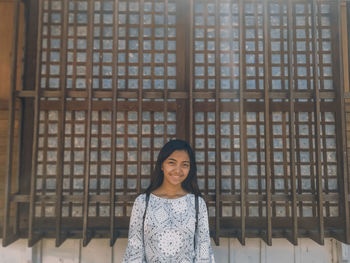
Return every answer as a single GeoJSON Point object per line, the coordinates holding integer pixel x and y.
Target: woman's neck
{"type": "Point", "coordinates": [169, 191]}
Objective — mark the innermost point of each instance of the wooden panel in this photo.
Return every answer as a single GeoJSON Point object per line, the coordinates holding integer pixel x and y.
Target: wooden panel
{"type": "Point", "coordinates": [7, 9]}
{"type": "Point", "coordinates": [237, 93]}
{"type": "Point", "coordinates": [11, 29]}
{"type": "Point", "coordinates": [3, 158]}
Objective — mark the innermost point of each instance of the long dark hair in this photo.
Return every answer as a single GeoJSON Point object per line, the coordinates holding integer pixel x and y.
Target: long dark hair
{"type": "Point", "coordinates": [190, 183]}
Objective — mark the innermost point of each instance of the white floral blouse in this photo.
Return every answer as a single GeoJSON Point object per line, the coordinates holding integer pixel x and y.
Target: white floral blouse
{"type": "Point", "coordinates": [168, 231]}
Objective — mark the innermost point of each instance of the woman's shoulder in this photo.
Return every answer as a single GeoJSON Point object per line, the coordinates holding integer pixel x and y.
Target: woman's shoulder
{"type": "Point", "coordinates": [192, 197]}
{"type": "Point", "coordinates": [140, 199]}
{"type": "Point", "coordinates": [201, 202]}
{"type": "Point", "coordinates": [141, 196]}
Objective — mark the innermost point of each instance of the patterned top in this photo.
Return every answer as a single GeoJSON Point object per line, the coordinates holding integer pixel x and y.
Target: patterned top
{"type": "Point", "coordinates": [168, 231]}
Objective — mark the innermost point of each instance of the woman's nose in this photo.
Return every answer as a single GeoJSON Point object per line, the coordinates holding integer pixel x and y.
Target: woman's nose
{"type": "Point", "coordinates": [178, 168]}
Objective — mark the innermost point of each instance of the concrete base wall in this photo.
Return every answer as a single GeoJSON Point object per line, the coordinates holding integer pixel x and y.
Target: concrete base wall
{"type": "Point", "coordinates": [230, 250]}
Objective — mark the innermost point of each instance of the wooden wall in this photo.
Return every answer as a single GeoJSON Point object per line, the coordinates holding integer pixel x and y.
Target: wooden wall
{"type": "Point", "coordinates": [98, 250]}
{"type": "Point", "coordinates": [6, 28]}
{"type": "Point", "coordinates": [7, 9]}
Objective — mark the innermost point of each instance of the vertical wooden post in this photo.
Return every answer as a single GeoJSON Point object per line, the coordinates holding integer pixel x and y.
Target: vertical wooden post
{"type": "Point", "coordinates": [8, 237]}
{"type": "Point", "coordinates": [267, 85]}
{"type": "Point", "coordinates": [113, 233]}
{"type": "Point", "coordinates": [291, 85]}
{"type": "Point", "coordinates": [217, 124]}
{"type": "Point", "coordinates": [242, 135]}
{"type": "Point", "coordinates": [190, 70]}
{"type": "Point", "coordinates": [34, 237]}
{"type": "Point", "coordinates": [316, 98]}
{"type": "Point", "coordinates": [139, 100]}
{"type": "Point", "coordinates": [86, 234]}
{"type": "Point", "coordinates": [61, 127]}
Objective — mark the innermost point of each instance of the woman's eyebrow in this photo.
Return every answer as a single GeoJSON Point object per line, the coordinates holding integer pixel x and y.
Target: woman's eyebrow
{"type": "Point", "coordinates": [173, 159]}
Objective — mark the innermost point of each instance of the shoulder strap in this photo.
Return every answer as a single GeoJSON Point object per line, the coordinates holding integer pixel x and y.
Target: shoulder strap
{"type": "Point", "coordinates": [196, 223]}
{"type": "Point", "coordinates": [144, 213]}
{"type": "Point", "coordinates": [143, 218]}
{"type": "Point", "coordinates": [197, 211]}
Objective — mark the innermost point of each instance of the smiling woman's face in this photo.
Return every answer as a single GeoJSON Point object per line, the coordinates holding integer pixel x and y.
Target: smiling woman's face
{"type": "Point", "coordinates": [176, 168]}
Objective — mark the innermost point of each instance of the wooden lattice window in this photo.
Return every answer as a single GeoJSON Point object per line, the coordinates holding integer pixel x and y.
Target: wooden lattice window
{"type": "Point", "coordinates": [255, 86]}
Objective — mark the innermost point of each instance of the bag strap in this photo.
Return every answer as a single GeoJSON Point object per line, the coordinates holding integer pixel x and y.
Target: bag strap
{"type": "Point", "coordinates": [143, 219]}
{"type": "Point", "coordinates": [196, 223]}
{"type": "Point", "coordinates": [144, 213]}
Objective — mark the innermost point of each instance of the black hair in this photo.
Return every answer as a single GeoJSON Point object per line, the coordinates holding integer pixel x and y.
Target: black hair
{"type": "Point", "coordinates": [190, 183]}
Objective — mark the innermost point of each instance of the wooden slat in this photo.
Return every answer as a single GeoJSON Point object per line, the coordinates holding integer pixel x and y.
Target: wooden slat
{"type": "Point", "coordinates": [9, 237]}
{"type": "Point", "coordinates": [315, 47]}
{"type": "Point", "coordinates": [99, 38]}
{"type": "Point", "coordinates": [191, 77]}
{"type": "Point", "coordinates": [182, 95]}
{"type": "Point", "coordinates": [139, 101]}
{"type": "Point", "coordinates": [27, 122]}
{"type": "Point", "coordinates": [267, 85]}
{"type": "Point", "coordinates": [242, 135]}
{"type": "Point", "coordinates": [20, 140]}
{"type": "Point", "coordinates": [291, 81]}
{"type": "Point", "coordinates": [165, 135]}
{"type": "Point", "coordinates": [112, 231]}
{"type": "Point", "coordinates": [232, 117]}
{"type": "Point", "coordinates": [348, 42]}
{"type": "Point", "coordinates": [23, 198]}
{"type": "Point", "coordinates": [86, 234]}
{"type": "Point", "coordinates": [217, 124]}
{"type": "Point", "coordinates": [61, 128]}
{"type": "Point", "coordinates": [34, 237]}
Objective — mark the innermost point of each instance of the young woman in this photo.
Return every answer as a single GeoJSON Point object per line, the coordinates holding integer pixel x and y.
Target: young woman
{"type": "Point", "coordinates": [169, 222]}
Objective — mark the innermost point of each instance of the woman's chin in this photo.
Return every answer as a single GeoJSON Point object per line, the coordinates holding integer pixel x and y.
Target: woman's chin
{"type": "Point", "coordinates": [176, 181]}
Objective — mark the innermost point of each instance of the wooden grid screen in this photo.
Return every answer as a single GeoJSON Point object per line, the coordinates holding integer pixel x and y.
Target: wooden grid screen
{"type": "Point", "coordinates": [255, 86]}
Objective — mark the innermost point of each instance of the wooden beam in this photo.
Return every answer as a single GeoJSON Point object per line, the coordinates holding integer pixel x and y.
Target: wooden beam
{"type": "Point", "coordinates": [9, 237]}
{"type": "Point", "coordinates": [267, 133]}
{"type": "Point", "coordinates": [315, 46]}
{"type": "Point", "coordinates": [86, 234]}
{"type": "Point", "coordinates": [217, 126]}
{"type": "Point", "coordinates": [293, 238]}
{"type": "Point", "coordinates": [60, 237]}
{"type": "Point", "coordinates": [242, 116]}
{"type": "Point", "coordinates": [32, 236]}
{"type": "Point", "coordinates": [112, 230]}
